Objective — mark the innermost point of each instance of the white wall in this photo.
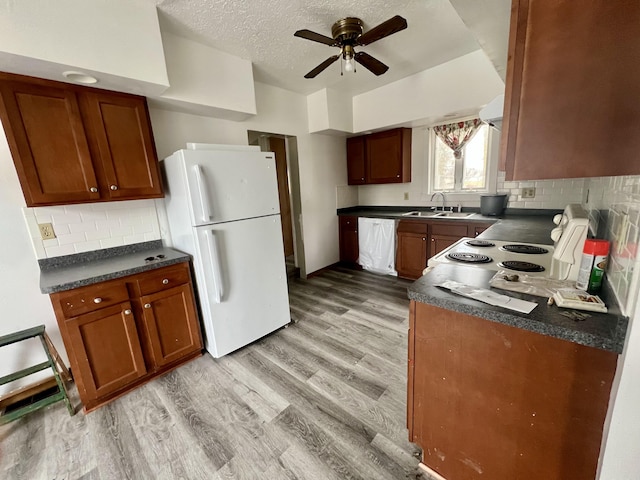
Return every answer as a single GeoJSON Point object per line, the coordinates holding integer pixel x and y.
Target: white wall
{"type": "Point", "coordinates": [207, 81]}
{"type": "Point", "coordinates": [461, 86]}
{"type": "Point", "coordinates": [620, 459]}
{"type": "Point", "coordinates": [21, 303]}
{"type": "Point", "coordinates": [119, 42]}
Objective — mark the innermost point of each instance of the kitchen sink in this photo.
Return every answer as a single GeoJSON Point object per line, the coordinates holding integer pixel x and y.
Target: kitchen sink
{"type": "Point", "coordinates": [440, 214]}
{"type": "Point", "coordinates": [453, 214]}
{"type": "Point", "coordinates": [417, 213]}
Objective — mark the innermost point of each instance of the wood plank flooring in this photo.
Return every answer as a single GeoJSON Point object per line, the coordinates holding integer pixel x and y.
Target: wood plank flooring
{"type": "Point", "coordinates": [322, 399]}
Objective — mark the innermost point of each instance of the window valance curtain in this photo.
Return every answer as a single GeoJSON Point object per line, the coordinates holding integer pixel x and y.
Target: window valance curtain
{"type": "Point", "coordinates": [456, 135]}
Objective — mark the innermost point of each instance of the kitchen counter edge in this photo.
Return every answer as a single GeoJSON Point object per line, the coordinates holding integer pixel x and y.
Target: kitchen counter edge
{"type": "Point", "coordinates": [80, 274]}
{"type": "Point", "coordinates": [603, 331]}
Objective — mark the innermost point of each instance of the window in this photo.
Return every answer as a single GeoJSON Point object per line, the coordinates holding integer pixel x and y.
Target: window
{"type": "Point", "coordinates": [469, 173]}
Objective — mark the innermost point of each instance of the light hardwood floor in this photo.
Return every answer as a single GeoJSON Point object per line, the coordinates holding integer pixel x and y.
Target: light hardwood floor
{"type": "Point", "coordinates": [322, 399]}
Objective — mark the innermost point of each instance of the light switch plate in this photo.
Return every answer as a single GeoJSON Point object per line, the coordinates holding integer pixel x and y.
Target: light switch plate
{"type": "Point", "coordinates": [46, 231]}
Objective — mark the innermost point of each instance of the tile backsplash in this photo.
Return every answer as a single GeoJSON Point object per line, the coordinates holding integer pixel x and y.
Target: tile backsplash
{"type": "Point", "coordinates": [88, 227]}
{"type": "Point", "coordinates": [614, 211]}
{"type": "Point", "coordinates": [552, 194]}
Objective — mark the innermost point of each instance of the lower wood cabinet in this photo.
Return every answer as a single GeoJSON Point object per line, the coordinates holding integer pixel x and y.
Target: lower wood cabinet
{"type": "Point", "coordinates": [411, 248]}
{"type": "Point", "coordinates": [121, 333]}
{"type": "Point", "coordinates": [348, 231]}
{"type": "Point", "coordinates": [487, 400]}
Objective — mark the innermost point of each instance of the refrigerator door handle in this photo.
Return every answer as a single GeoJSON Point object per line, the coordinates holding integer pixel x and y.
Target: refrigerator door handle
{"type": "Point", "coordinates": [205, 204]}
{"type": "Point", "coordinates": [215, 267]}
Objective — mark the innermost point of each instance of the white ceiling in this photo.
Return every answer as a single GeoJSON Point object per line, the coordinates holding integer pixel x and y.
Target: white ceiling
{"type": "Point", "coordinates": [262, 31]}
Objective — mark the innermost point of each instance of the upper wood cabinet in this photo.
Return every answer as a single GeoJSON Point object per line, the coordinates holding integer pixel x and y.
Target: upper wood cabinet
{"type": "Point", "coordinates": [382, 157]}
{"type": "Point", "coordinates": [571, 76]}
{"type": "Point", "coordinates": [74, 144]}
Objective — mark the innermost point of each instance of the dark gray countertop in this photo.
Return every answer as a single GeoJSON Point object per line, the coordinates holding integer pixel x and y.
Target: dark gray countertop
{"type": "Point", "coordinates": [72, 271]}
{"type": "Point", "coordinates": [515, 225]}
{"type": "Point", "coordinates": [604, 331]}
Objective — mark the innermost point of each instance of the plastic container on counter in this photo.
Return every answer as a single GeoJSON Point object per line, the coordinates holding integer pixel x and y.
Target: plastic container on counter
{"type": "Point", "coordinates": [593, 264]}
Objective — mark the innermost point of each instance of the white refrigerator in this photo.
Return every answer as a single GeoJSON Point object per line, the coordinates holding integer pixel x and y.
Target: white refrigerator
{"type": "Point", "coordinates": [222, 208]}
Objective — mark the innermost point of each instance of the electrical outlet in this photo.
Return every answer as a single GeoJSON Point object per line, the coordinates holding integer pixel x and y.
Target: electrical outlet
{"type": "Point", "coordinates": [406, 195]}
{"type": "Point", "coordinates": [46, 231]}
{"type": "Point", "coordinates": [529, 192]}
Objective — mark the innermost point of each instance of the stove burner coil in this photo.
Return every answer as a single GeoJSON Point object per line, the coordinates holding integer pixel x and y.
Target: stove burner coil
{"type": "Point", "coordinates": [521, 266]}
{"type": "Point", "coordinates": [467, 257]}
{"type": "Point", "coordinates": [480, 243]}
{"type": "Point", "coordinates": [520, 248]}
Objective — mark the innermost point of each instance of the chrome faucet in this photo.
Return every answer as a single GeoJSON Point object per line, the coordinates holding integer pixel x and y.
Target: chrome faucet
{"type": "Point", "coordinates": [442, 195]}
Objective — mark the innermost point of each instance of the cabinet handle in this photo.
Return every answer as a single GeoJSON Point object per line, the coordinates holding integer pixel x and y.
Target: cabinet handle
{"type": "Point", "coordinates": [398, 176]}
{"type": "Point", "coordinates": [113, 187]}
{"type": "Point", "coordinates": [165, 281]}
{"type": "Point", "coordinates": [147, 305]}
{"type": "Point", "coordinates": [93, 190]}
{"type": "Point", "coordinates": [97, 300]}
{"type": "Point", "coordinates": [433, 239]}
{"type": "Point", "coordinates": [424, 238]}
{"type": "Point", "coordinates": [127, 312]}
{"type": "Point", "coordinates": [362, 179]}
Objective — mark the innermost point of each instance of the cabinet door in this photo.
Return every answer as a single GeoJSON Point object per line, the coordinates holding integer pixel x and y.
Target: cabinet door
{"type": "Point", "coordinates": [107, 350]}
{"type": "Point", "coordinates": [356, 171]}
{"type": "Point", "coordinates": [44, 129]}
{"type": "Point", "coordinates": [567, 107]}
{"type": "Point", "coordinates": [349, 248]}
{"type": "Point", "coordinates": [121, 137]}
{"type": "Point", "coordinates": [439, 242]}
{"type": "Point", "coordinates": [172, 324]}
{"type": "Point", "coordinates": [411, 255]}
{"type": "Point", "coordinates": [389, 156]}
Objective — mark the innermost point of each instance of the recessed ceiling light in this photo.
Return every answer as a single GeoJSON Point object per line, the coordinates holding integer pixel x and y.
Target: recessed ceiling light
{"type": "Point", "coordinates": [80, 77]}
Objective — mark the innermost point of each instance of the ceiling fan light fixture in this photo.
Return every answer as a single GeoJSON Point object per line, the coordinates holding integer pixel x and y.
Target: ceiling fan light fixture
{"type": "Point", "coordinates": [349, 61]}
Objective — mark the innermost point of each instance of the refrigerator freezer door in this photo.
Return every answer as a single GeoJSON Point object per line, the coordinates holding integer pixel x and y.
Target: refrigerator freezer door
{"type": "Point", "coordinates": [242, 282]}
{"type": "Point", "coordinates": [230, 185]}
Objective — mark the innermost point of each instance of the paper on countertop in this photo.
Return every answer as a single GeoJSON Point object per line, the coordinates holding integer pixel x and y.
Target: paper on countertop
{"type": "Point", "coordinates": [487, 296]}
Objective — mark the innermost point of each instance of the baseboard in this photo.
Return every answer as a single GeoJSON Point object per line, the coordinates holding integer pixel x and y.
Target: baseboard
{"type": "Point", "coordinates": [431, 474]}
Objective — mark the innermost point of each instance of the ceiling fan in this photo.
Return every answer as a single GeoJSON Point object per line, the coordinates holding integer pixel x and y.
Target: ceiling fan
{"type": "Point", "coordinates": [347, 34]}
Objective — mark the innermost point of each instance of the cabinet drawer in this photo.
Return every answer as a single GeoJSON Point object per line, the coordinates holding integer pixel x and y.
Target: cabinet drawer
{"type": "Point", "coordinates": [348, 223]}
{"type": "Point", "coordinates": [162, 279]}
{"type": "Point", "coordinates": [454, 230]}
{"type": "Point", "coordinates": [88, 299]}
{"type": "Point", "coordinates": [412, 227]}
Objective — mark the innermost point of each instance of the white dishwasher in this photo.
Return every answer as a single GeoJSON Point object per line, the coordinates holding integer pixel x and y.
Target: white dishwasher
{"type": "Point", "coordinates": [377, 244]}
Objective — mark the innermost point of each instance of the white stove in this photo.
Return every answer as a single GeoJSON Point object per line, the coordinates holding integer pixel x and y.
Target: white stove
{"type": "Point", "coordinates": [559, 261]}
{"type": "Point", "coordinates": [530, 258]}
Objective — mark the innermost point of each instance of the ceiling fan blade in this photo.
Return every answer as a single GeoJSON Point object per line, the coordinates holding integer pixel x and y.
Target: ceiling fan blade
{"type": "Point", "coordinates": [372, 64]}
{"type": "Point", "coordinates": [385, 29]}
{"type": "Point", "coordinates": [315, 37]}
{"type": "Point", "coordinates": [322, 66]}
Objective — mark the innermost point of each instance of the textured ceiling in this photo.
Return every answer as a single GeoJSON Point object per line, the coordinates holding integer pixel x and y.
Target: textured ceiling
{"type": "Point", "coordinates": [262, 31]}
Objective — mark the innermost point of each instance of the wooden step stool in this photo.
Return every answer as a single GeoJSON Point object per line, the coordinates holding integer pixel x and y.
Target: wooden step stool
{"type": "Point", "coordinates": [53, 361]}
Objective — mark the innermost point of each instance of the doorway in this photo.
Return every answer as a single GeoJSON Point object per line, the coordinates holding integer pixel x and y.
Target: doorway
{"type": "Point", "coordinates": [285, 149]}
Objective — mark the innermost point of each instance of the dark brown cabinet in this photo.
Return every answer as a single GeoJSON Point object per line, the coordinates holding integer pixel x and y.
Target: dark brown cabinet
{"type": "Point", "coordinates": [107, 350]}
{"type": "Point", "coordinates": [348, 238]}
{"type": "Point", "coordinates": [356, 167]}
{"type": "Point", "coordinates": [567, 101]}
{"type": "Point", "coordinates": [74, 144]}
{"type": "Point", "coordinates": [411, 248]}
{"type": "Point", "coordinates": [382, 157]}
{"type": "Point", "coordinates": [122, 332]}
{"type": "Point", "coordinates": [512, 403]}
